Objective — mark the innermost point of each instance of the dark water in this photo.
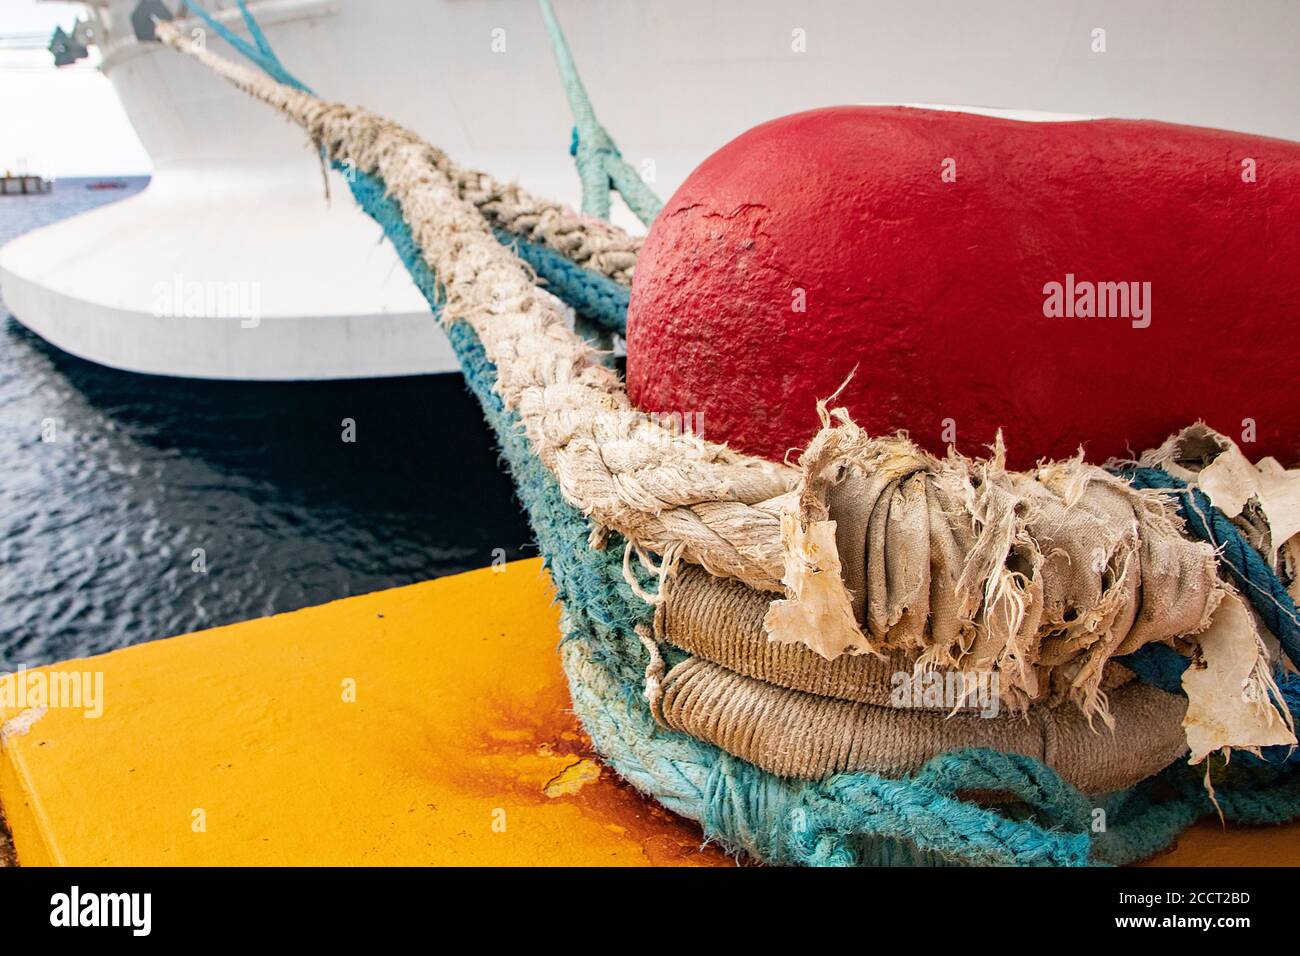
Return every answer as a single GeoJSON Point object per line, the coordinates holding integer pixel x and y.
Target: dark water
{"type": "Point", "coordinates": [98, 529]}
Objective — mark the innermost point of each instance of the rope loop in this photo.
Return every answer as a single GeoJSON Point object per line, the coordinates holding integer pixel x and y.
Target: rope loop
{"type": "Point", "coordinates": [601, 167]}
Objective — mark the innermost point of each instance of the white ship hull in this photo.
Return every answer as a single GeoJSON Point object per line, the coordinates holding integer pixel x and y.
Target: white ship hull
{"type": "Point", "coordinates": [237, 202]}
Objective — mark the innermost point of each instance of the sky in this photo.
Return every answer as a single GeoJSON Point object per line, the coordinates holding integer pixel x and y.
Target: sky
{"type": "Point", "coordinates": [58, 122]}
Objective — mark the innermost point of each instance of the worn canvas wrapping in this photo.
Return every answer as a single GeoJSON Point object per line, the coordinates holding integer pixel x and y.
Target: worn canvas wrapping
{"type": "Point", "coordinates": [796, 734]}
{"type": "Point", "coordinates": [792, 712]}
{"type": "Point", "coordinates": [721, 621]}
{"type": "Point", "coordinates": [1043, 576]}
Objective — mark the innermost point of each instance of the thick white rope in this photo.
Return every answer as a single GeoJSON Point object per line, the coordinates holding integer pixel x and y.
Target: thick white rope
{"type": "Point", "coordinates": [670, 493]}
{"type": "Point", "coordinates": [745, 518]}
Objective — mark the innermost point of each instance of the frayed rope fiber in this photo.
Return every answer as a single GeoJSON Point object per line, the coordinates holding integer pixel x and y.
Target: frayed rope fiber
{"type": "Point", "coordinates": [846, 819]}
{"type": "Point", "coordinates": [1162, 666]}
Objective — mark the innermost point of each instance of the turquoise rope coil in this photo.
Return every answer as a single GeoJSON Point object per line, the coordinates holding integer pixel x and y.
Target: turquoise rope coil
{"type": "Point", "coordinates": [846, 819]}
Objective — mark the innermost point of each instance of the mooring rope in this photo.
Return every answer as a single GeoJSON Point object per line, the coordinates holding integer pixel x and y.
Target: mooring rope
{"type": "Point", "coordinates": [1242, 563]}
{"type": "Point", "coordinates": [849, 818]}
{"type": "Point", "coordinates": [599, 247]}
{"type": "Point", "coordinates": [601, 166]}
{"type": "Point", "coordinates": [684, 498]}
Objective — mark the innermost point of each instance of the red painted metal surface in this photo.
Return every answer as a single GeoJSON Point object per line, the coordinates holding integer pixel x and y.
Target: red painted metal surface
{"type": "Point", "coordinates": [920, 243]}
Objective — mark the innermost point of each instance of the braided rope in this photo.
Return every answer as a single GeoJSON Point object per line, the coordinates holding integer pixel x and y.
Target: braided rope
{"type": "Point", "coordinates": [1242, 563]}
{"type": "Point", "coordinates": [600, 165]}
{"type": "Point", "coordinates": [849, 818]}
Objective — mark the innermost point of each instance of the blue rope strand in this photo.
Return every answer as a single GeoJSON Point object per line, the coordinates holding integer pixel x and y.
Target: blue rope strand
{"type": "Point", "coordinates": [267, 60]}
{"type": "Point", "coordinates": [592, 295]}
{"type": "Point", "coordinates": [847, 818]}
{"type": "Point", "coordinates": [1242, 563]}
{"type": "Point", "coordinates": [255, 31]}
{"type": "Point", "coordinates": [601, 166]}
{"type": "Point", "coordinates": [1162, 666]}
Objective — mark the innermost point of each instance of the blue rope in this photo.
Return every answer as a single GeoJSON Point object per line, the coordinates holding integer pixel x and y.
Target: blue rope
{"type": "Point", "coordinates": [842, 820]}
{"type": "Point", "coordinates": [255, 31]}
{"type": "Point", "coordinates": [1242, 563]}
{"type": "Point", "coordinates": [1158, 665]}
{"type": "Point", "coordinates": [1162, 666]}
{"type": "Point", "coordinates": [601, 166]}
{"type": "Point", "coordinates": [592, 295]}
{"type": "Point", "coordinates": [261, 54]}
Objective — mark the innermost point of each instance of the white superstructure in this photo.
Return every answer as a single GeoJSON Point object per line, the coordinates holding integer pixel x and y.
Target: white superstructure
{"type": "Point", "coordinates": [236, 211]}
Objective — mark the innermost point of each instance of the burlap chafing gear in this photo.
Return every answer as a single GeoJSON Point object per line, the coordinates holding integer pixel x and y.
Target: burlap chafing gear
{"type": "Point", "coordinates": [978, 591]}
{"type": "Point", "coordinates": [721, 621]}
{"type": "Point", "coordinates": [795, 734]}
{"type": "Point", "coordinates": [1037, 575]}
{"type": "Point", "coordinates": [794, 713]}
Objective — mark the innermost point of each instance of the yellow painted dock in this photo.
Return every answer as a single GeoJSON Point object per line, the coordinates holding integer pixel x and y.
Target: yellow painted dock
{"type": "Point", "coordinates": [428, 724]}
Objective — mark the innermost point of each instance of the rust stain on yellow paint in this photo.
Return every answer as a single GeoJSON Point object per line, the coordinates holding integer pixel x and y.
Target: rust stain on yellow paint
{"type": "Point", "coordinates": [423, 725]}
{"type": "Point", "coordinates": [429, 724]}
{"type": "Point", "coordinates": [573, 778]}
